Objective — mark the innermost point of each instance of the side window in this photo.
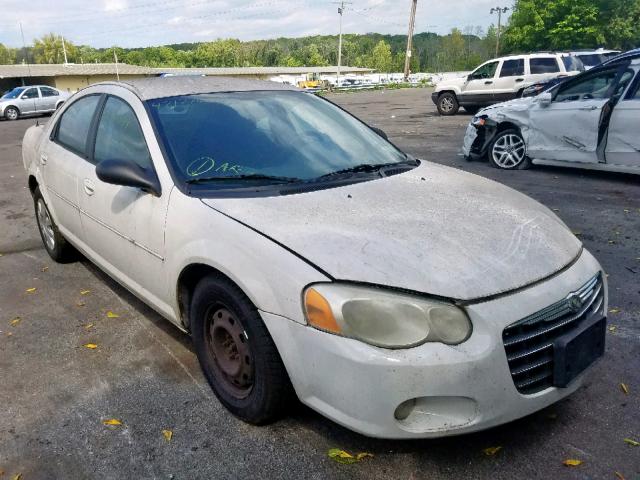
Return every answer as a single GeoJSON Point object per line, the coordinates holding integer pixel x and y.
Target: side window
{"type": "Point", "coordinates": [512, 68]}
{"type": "Point", "coordinates": [543, 65]}
{"type": "Point", "coordinates": [30, 93]}
{"type": "Point", "coordinates": [626, 78]}
{"type": "Point", "coordinates": [592, 87]}
{"type": "Point", "coordinates": [48, 92]}
{"type": "Point", "coordinates": [119, 136]}
{"type": "Point", "coordinates": [75, 122]}
{"type": "Point", "coordinates": [487, 70]}
{"type": "Point", "coordinates": [635, 95]}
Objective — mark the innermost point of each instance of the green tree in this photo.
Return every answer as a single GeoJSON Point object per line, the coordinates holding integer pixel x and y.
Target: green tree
{"type": "Point", "coordinates": [382, 59]}
{"type": "Point", "coordinates": [49, 49]}
{"type": "Point", "coordinates": [7, 55]}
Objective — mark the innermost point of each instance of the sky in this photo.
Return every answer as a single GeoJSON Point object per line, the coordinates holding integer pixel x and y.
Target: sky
{"type": "Point", "coordinates": [141, 23]}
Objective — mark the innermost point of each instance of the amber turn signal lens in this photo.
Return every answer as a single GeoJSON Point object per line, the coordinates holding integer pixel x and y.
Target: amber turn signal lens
{"type": "Point", "coordinates": [319, 312]}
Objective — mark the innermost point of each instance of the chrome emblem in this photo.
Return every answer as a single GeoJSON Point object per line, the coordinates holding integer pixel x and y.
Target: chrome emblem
{"type": "Point", "coordinates": [575, 303]}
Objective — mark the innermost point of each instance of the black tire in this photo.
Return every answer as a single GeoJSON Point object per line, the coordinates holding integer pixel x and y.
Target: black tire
{"type": "Point", "coordinates": [514, 157]}
{"type": "Point", "coordinates": [55, 244]}
{"type": "Point", "coordinates": [448, 104]}
{"type": "Point", "coordinates": [256, 389]}
{"type": "Point", "coordinates": [472, 109]}
{"type": "Point", "coordinates": [11, 113]}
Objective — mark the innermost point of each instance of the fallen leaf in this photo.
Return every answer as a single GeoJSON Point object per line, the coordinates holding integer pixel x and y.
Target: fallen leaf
{"type": "Point", "coordinates": [84, 292]}
{"type": "Point", "coordinates": [490, 451]}
{"type": "Point", "coordinates": [110, 314]}
{"type": "Point", "coordinates": [80, 304]}
{"type": "Point", "coordinates": [31, 290]}
{"type": "Point", "coordinates": [556, 209]}
{"type": "Point", "coordinates": [626, 210]}
{"type": "Point", "coordinates": [112, 421]}
{"type": "Point", "coordinates": [571, 462]}
{"type": "Point", "coordinates": [612, 328]}
{"type": "Point", "coordinates": [619, 476]}
{"type": "Point", "coordinates": [632, 442]}
{"type": "Point", "coordinates": [611, 242]}
{"type": "Point", "coordinates": [167, 434]}
{"type": "Point", "coordinates": [624, 388]}
{"type": "Point", "coordinates": [91, 346]}
{"type": "Point", "coordinates": [44, 269]}
{"type": "Point", "coordinates": [341, 456]}
{"type": "Point", "coordinates": [15, 321]}
{"type": "Point", "coordinates": [17, 476]}
{"type": "Point", "coordinates": [87, 326]}
{"type": "Point", "coordinates": [9, 334]}
{"type": "Point", "coordinates": [614, 310]}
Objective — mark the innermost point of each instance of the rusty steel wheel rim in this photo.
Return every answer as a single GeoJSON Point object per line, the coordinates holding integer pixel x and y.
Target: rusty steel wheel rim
{"type": "Point", "coordinates": [228, 345]}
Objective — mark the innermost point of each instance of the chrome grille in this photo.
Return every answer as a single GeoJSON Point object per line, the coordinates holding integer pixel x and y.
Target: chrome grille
{"type": "Point", "coordinates": [529, 342]}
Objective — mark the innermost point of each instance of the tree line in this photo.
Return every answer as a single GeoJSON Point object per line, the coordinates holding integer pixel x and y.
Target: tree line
{"type": "Point", "coordinates": [534, 25]}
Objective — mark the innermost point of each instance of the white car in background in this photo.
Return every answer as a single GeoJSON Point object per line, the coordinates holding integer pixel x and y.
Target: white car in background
{"type": "Point", "coordinates": [589, 121]}
{"type": "Point", "coordinates": [501, 79]}
{"type": "Point", "coordinates": [593, 58]}
{"type": "Point", "coordinates": [31, 100]}
{"type": "Point", "coordinates": [306, 255]}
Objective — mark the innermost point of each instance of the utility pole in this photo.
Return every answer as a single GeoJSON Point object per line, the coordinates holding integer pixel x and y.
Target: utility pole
{"type": "Point", "coordinates": [64, 50]}
{"type": "Point", "coordinates": [340, 12]}
{"type": "Point", "coordinates": [499, 11]}
{"type": "Point", "coordinates": [412, 22]}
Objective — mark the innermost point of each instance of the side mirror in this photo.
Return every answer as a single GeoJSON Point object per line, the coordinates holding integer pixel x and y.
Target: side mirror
{"type": "Point", "coordinates": [545, 99]}
{"type": "Point", "coordinates": [128, 174]}
{"type": "Point", "coordinates": [380, 132]}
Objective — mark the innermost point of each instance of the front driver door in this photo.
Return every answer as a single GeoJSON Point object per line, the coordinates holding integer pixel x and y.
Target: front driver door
{"type": "Point", "coordinates": [29, 101]}
{"type": "Point", "coordinates": [124, 226]}
{"type": "Point", "coordinates": [623, 142]}
{"type": "Point", "coordinates": [573, 126]}
{"type": "Point", "coordinates": [479, 87]}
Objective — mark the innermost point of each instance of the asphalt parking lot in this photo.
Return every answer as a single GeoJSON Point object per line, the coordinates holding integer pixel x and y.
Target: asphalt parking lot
{"type": "Point", "coordinates": [55, 393]}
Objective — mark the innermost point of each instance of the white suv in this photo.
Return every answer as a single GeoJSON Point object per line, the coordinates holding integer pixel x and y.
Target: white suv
{"type": "Point", "coordinates": [500, 80]}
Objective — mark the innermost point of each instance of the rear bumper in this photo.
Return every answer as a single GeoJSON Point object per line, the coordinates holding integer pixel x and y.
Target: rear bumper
{"type": "Point", "coordinates": [441, 390]}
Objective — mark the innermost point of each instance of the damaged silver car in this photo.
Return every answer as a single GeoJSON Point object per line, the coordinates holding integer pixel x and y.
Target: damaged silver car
{"type": "Point", "coordinates": [589, 121]}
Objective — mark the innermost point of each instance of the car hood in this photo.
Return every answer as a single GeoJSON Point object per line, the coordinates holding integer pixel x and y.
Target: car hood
{"type": "Point", "coordinates": [451, 83]}
{"type": "Point", "coordinates": [517, 104]}
{"type": "Point", "coordinates": [433, 229]}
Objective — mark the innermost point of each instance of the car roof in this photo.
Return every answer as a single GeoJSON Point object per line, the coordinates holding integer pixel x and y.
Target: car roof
{"type": "Point", "coordinates": [163, 87]}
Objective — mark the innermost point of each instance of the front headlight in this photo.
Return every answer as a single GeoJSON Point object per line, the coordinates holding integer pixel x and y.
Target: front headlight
{"type": "Point", "coordinates": [384, 318]}
{"type": "Point", "coordinates": [479, 120]}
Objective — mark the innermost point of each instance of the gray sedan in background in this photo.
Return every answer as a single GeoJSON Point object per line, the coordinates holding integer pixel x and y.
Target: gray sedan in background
{"type": "Point", "coordinates": [31, 100]}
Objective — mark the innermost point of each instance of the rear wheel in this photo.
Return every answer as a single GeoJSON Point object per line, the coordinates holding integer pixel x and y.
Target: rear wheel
{"type": "Point", "coordinates": [448, 104]}
{"type": "Point", "coordinates": [54, 243]}
{"type": "Point", "coordinates": [508, 151]}
{"type": "Point", "coordinates": [236, 352]}
{"type": "Point", "coordinates": [11, 113]}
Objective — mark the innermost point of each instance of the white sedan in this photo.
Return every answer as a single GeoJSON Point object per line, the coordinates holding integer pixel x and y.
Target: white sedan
{"type": "Point", "coordinates": [307, 256]}
{"type": "Point", "coordinates": [589, 121]}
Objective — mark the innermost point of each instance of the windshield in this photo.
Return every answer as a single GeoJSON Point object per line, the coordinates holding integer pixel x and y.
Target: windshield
{"type": "Point", "coordinates": [250, 136]}
{"type": "Point", "coordinates": [14, 93]}
{"type": "Point", "coordinates": [573, 64]}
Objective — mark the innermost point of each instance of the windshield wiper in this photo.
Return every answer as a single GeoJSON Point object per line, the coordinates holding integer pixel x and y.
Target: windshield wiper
{"type": "Point", "coordinates": [252, 176]}
{"type": "Point", "coordinates": [368, 168]}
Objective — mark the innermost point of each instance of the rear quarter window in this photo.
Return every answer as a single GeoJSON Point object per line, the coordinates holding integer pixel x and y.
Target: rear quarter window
{"type": "Point", "coordinates": [543, 65]}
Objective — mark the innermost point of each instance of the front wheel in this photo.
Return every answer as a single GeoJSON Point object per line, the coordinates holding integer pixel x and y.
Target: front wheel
{"type": "Point", "coordinates": [12, 113]}
{"type": "Point", "coordinates": [54, 243]}
{"type": "Point", "coordinates": [236, 352]}
{"type": "Point", "coordinates": [448, 104]}
{"type": "Point", "coordinates": [508, 151]}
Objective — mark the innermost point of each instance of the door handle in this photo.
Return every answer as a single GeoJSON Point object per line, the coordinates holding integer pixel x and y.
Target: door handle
{"type": "Point", "coordinates": [592, 107]}
{"type": "Point", "coordinates": [89, 188]}
{"type": "Point", "coordinates": [488, 82]}
{"type": "Point", "coordinates": [519, 79]}
{"type": "Point", "coordinates": [43, 159]}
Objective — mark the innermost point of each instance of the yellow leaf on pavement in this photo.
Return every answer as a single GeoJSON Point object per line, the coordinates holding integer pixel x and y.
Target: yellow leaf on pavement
{"type": "Point", "coordinates": [619, 476]}
{"type": "Point", "coordinates": [110, 314]}
{"type": "Point", "coordinates": [87, 326]}
{"type": "Point", "coordinates": [571, 462]}
{"type": "Point", "coordinates": [17, 476]}
{"type": "Point", "coordinates": [84, 292]}
{"type": "Point", "coordinates": [167, 434]}
{"type": "Point", "coordinates": [613, 328]}
{"type": "Point", "coordinates": [624, 388]}
{"type": "Point", "coordinates": [44, 269]}
{"type": "Point", "coordinates": [80, 304]}
{"type": "Point", "coordinates": [341, 456]}
{"type": "Point", "coordinates": [614, 310]}
{"type": "Point", "coordinates": [112, 421]}
{"type": "Point", "coordinates": [91, 346]}
{"type": "Point", "coordinates": [632, 442]}
{"type": "Point", "coordinates": [31, 290]}
{"type": "Point", "coordinates": [15, 321]}
{"type": "Point", "coordinates": [491, 451]}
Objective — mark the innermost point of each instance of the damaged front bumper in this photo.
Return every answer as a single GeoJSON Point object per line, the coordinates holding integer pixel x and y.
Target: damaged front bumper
{"type": "Point", "coordinates": [478, 137]}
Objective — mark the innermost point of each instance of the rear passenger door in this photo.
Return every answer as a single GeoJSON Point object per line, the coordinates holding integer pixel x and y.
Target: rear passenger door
{"type": "Point", "coordinates": [60, 159]}
{"type": "Point", "coordinates": [510, 79]}
{"type": "Point", "coordinates": [48, 99]}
